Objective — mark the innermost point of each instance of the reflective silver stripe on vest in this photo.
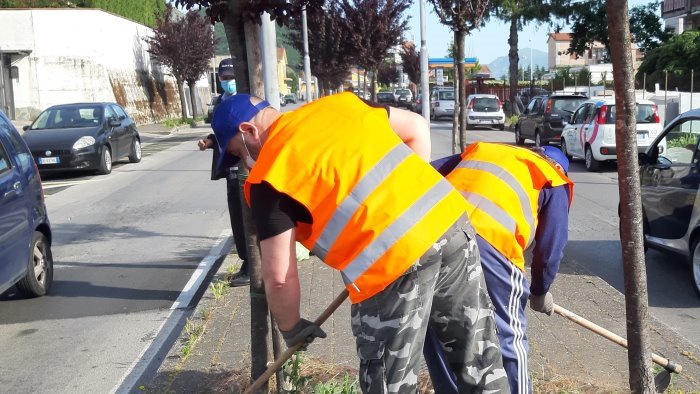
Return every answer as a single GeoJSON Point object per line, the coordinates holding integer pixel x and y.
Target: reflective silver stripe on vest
{"type": "Point", "coordinates": [510, 180]}
{"type": "Point", "coordinates": [491, 209]}
{"type": "Point", "coordinates": [396, 230]}
{"type": "Point", "coordinates": [357, 196]}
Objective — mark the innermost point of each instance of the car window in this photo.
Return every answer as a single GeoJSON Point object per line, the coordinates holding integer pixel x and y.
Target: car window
{"type": "Point", "coordinates": [566, 104]}
{"type": "Point", "coordinates": [119, 111]}
{"type": "Point", "coordinates": [580, 115]}
{"type": "Point", "coordinates": [446, 95]}
{"type": "Point", "coordinates": [23, 155]}
{"type": "Point", "coordinates": [109, 113]}
{"type": "Point", "coordinates": [646, 113]}
{"type": "Point", "coordinates": [74, 116]}
{"type": "Point", "coordinates": [589, 113]}
{"type": "Point", "coordinates": [4, 160]}
{"type": "Point", "coordinates": [682, 142]}
{"type": "Point", "coordinates": [485, 104]}
{"type": "Point", "coordinates": [531, 107]}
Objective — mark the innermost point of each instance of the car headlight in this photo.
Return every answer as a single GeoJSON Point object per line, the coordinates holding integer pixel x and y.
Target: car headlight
{"type": "Point", "coordinates": [84, 142]}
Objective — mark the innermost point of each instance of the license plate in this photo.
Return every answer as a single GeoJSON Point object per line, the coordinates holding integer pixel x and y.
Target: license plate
{"type": "Point", "coordinates": [642, 136]}
{"type": "Point", "coordinates": [49, 160]}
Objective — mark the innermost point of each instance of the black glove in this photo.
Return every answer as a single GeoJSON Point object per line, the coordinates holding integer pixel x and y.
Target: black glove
{"type": "Point", "coordinates": [543, 303]}
{"type": "Point", "coordinates": [304, 331]}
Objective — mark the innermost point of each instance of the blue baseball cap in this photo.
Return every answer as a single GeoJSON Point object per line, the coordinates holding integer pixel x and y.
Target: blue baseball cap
{"type": "Point", "coordinates": [557, 155]}
{"type": "Point", "coordinates": [227, 117]}
{"type": "Point", "coordinates": [226, 68]}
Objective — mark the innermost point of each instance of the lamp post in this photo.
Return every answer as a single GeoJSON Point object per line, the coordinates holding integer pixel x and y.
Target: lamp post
{"type": "Point", "coordinates": [307, 59]}
{"type": "Point", "coordinates": [424, 87]}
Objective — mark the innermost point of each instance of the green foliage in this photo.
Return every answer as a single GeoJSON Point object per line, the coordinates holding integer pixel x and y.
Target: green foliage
{"type": "Point", "coordinates": [193, 331]}
{"type": "Point", "coordinates": [679, 56]}
{"type": "Point", "coordinates": [332, 387]}
{"type": "Point", "coordinates": [175, 122]}
{"type": "Point", "coordinates": [219, 288]}
{"type": "Point", "coordinates": [292, 375]}
{"type": "Point", "coordinates": [142, 11]}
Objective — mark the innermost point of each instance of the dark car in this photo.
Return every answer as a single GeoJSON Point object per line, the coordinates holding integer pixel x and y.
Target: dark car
{"type": "Point", "coordinates": [670, 182]}
{"type": "Point", "coordinates": [84, 136]}
{"type": "Point", "coordinates": [290, 99]}
{"type": "Point", "coordinates": [385, 98]}
{"type": "Point", "coordinates": [545, 117]}
{"type": "Point", "coordinates": [417, 104]}
{"type": "Point", "coordinates": [25, 233]}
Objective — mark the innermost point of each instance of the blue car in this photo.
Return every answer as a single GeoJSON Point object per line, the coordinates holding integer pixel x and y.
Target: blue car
{"type": "Point", "coordinates": [25, 233]}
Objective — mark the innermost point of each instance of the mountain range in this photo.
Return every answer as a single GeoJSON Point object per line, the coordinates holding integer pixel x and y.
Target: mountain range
{"type": "Point", "coordinates": [499, 66]}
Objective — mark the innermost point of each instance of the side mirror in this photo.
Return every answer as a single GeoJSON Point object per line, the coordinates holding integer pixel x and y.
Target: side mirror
{"type": "Point", "coordinates": [26, 127]}
{"type": "Point", "coordinates": [114, 123]}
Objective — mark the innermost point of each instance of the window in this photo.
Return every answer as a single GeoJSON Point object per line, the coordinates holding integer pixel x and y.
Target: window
{"type": "Point", "coordinates": [447, 95]}
{"type": "Point", "coordinates": [109, 113]}
{"type": "Point", "coordinates": [23, 155]}
{"type": "Point", "coordinates": [532, 108]}
{"type": "Point", "coordinates": [4, 160]}
{"type": "Point", "coordinates": [119, 111]}
{"type": "Point", "coordinates": [682, 142]}
{"type": "Point", "coordinates": [580, 115]}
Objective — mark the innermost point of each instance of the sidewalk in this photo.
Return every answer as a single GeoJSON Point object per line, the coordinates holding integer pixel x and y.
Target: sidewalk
{"type": "Point", "coordinates": [563, 355]}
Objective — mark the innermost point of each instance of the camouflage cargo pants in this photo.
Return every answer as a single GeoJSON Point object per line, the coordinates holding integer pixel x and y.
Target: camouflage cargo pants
{"type": "Point", "coordinates": [445, 289]}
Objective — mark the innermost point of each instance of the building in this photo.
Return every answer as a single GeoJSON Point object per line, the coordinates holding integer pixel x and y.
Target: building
{"type": "Point", "coordinates": [681, 15]}
{"type": "Point", "coordinates": [56, 56]}
{"type": "Point", "coordinates": [282, 79]}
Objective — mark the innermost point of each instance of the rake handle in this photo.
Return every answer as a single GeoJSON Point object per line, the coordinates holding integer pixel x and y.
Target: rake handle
{"type": "Point", "coordinates": [290, 351]}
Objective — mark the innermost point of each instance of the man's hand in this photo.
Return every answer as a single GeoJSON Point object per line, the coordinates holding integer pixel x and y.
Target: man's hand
{"type": "Point", "coordinates": [542, 303]}
{"type": "Point", "coordinates": [205, 143]}
{"type": "Point", "coordinates": [304, 331]}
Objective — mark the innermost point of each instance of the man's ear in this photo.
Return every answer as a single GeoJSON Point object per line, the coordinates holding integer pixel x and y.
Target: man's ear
{"type": "Point", "coordinates": [249, 128]}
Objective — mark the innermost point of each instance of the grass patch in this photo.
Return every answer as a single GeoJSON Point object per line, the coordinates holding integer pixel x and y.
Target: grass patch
{"type": "Point", "coordinates": [175, 122]}
{"type": "Point", "coordinates": [193, 332]}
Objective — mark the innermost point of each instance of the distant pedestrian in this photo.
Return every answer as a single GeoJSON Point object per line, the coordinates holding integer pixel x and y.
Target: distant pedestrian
{"type": "Point", "coordinates": [518, 199]}
{"type": "Point", "coordinates": [351, 182]}
{"type": "Point", "coordinates": [229, 171]}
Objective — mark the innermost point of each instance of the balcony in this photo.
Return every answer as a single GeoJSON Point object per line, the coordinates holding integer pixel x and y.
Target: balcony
{"type": "Point", "coordinates": [671, 8]}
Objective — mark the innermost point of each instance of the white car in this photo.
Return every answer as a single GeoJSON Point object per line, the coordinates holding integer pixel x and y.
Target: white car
{"type": "Point", "coordinates": [442, 103]}
{"type": "Point", "coordinates": [485, 110]}
{"type": "Point", "coordinates": [590, 134]}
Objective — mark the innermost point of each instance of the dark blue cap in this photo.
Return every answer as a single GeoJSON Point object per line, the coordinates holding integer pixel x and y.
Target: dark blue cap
{"type": "Point", "coordinates": [557, 155]}
{"type": "Point", "coordinates": [227, 117]}
{"type": "Point", "coordinates": [226, 68]}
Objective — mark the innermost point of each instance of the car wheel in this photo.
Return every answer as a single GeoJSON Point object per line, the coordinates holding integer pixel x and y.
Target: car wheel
{"type": "Point", "coordinates": [565, 150]}
{"type": "Point", "coordinates": [39, 277]}
{"type": "Point", "coordinates": [502, 126]}
{"type": "Point", "coordinates": [591, 163]}
{"type": "Point", "coordinates": [695, 266]}
{"type": "Point", "coordinates": [105, 161]}
{"type": "Point", "coordinates": [135, 155]}
{"type": "Point", "coordinates": [518, 139]}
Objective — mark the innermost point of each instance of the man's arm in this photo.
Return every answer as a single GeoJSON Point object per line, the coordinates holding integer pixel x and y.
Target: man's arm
{"type": "Point", "coordinates": [550, 238]}
{"type": "Point", "coordinates": [413, 130]}
{"type": "Point", "coordinates": [279, 271]}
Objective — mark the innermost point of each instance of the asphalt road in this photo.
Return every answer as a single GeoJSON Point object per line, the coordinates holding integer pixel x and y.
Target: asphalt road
{"type": "Point", "coordinates": [130, 248]}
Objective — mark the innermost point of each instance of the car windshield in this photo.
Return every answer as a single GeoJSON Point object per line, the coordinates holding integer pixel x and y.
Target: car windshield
{"type": "Point", "coordinates": [384, 95]}
{"type": "Point", "coordinates": [69, 117]}
{"type": "Point", "coordinates": [446, 95]}
{"type": "Point", "coordinates": [403, 92]}
{"type": "Point", "coordinates": [645, 114]}
{"type": "Point", "coordinates": [485, 104]}
{"type": "Point", "coordinates": [568, 104]}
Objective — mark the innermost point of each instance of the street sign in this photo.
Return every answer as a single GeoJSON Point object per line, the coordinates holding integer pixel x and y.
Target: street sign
{"type": "Point", "coordinates": [438, 77]}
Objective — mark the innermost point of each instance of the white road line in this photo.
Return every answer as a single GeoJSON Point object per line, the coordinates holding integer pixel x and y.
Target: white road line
{"type": "Point", "coordinates": [152, 347]}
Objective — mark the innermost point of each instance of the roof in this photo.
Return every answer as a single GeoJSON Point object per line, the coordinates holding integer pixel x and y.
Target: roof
{"type": "Point", "coordinates": [560, 37]}
{"type": "Point", "coordinates": [280, 53]}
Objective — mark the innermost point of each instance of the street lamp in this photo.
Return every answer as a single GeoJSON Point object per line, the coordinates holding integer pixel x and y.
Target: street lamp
{"type": "Point", "coordinates": [424, 87]}
{"type": "Point", "coordinates": [307, 59]}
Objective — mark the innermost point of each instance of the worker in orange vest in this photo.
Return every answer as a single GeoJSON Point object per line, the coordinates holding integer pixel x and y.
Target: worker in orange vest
{"type": "Point", "coordinates": [351, 182]}
{"type": "Point", "coordinates": [518, 199]}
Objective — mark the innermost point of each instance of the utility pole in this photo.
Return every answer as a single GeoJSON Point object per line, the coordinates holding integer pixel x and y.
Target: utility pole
{"type": "Point", "coordinates": [3, 99]}
{"type": "Point", "coordinates": [268, 47]}
{"type": "Point", "coordinates": [307, 59]}
{"type": "Point", "coordinates": [424, 85]}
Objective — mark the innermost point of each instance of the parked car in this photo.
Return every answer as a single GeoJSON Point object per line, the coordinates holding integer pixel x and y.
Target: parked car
{"type": "Point", "coordinates": [417, 104]}
{"type": "Point", "coordinates": [403, 98]}
{"type": "Point", "coordinates": [545, 117]}
{"type": "Point", "coordinates": [83, 136]}
{"type": "Point", "coordinates": [283, 102]}
{"type": "Point", "coordinates": [590, 133]}
{"type": "Point", "coordinates": [485, 110]}
{"type": "Point", "coordinates": [442, 103]}
{"type": "Point", "coordinates": [290, 99]}
{"type": "Point", "coordinates": [670, 183]}
{"type": "Point", "coordinates": [25, 232]}
{"type": "Point", "coordinates": [385, 98]}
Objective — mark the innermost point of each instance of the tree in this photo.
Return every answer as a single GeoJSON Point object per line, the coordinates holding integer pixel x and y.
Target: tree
{"type": "Point", "coordinates": [679, 57]}
{"type": "Point", "coordinates": [641, 378]}
{"type": "Point", "coordinates": [388, 73]}
{"type": "Point", "coordinates": [186, 47]}
{"type": "Point", "coordinates": [462, 16]}
{"type": "Point", "coordinates": [375, 27]}
{"type": "Point", "coordinates": [411, 61]}
{"type": "Point", "coordinates": [518, 13]}
{"type": "Point", "coordinates": [590, 24]}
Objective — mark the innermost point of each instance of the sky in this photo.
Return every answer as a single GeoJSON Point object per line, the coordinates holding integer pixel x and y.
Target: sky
{"type": "Point", "coordinates": [486, 44]}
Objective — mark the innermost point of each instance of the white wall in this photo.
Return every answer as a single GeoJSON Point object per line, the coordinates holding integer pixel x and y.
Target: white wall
{"type": "Point", "coordinates": [87, 55]}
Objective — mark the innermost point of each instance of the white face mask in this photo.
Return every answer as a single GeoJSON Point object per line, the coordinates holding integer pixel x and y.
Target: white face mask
{"type": "Point", "coordinates": [249, 162]}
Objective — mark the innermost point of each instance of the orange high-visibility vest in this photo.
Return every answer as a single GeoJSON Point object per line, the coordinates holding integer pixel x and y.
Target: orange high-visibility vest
{"type": "Point", "coordinates": [501, 184]}
{"type": "Point", "coordinates": [376, 206]}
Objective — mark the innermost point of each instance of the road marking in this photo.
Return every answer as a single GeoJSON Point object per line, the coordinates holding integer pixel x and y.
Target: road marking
{"type": "Point", "coordinates": [150, 357]}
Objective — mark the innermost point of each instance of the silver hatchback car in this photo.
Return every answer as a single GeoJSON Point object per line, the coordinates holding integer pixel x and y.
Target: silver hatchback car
{"type": "Point", "coordinates": [442, 103]}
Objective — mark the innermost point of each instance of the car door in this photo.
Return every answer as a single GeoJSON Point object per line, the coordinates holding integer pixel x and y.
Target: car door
{"type": "Point", "coordinates": [670, 184]}
{"type": "Point", "coordinates": [111, 130]}
{"type": "Point", "coordinates": [15, 232]}
{"type": "Point", "coordinates": [572, 130]}
{"type": "Point", "coordinates": [121, 132]}
{"type": "Point", "coordinates": [527, 127]}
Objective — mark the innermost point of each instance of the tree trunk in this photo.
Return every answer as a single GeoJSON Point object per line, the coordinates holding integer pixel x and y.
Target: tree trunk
{"type": "Point", "coordinates": [183, 101]}
{"type": "Point", "coordinates": [455, 113]}
{"type": "Point", "coordinates": [193, 98]}
{"type": "Point", "coordinates": [374, 84]}
{"type": "Point", "coordinates": [631, 230]}
{"type": "Point", "coordinates": [235, 35]}
{"type": "Point", "coordinates": [459, 83]}
{"type": "Point", "coordinates": [513, 63]}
